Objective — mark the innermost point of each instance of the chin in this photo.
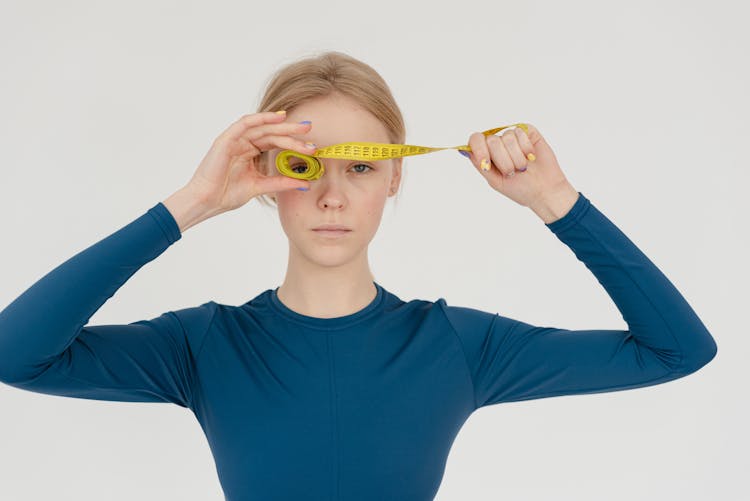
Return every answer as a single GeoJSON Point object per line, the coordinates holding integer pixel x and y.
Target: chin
{"type": "Point", "coordinates": [329, 261]}
{"type": "Point", "coordinates": [329, 254]}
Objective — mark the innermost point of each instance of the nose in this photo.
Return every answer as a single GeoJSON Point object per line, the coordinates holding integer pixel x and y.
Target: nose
{"type": "Point", "coordinates": [331, 190]}
{"type": "Point", "coordinates": [331, 196]}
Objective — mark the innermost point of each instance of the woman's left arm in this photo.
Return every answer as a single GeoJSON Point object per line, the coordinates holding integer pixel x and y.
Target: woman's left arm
{"type": "Point", "coordinates": [512, 360]}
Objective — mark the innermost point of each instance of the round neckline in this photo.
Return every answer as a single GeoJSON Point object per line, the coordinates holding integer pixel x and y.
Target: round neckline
{"type": "Point", "coordinates": [332, 322]}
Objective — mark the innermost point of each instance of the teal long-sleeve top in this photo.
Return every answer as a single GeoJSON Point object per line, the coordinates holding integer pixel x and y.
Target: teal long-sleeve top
{"type": "Point", "coordinates": [359, 407]}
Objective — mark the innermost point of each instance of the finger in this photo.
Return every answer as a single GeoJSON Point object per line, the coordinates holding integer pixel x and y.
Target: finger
{"type": "Point", "coordinates": [267, 177]}
{"type": "Point", "coordinates": [256, 133]}
{"type": "Point", "coordinates": [533, 135]}
{"type": "Point", "coordinates": [259, 139]}
{"type": "Point", "coordinates": [526, 146]}
{"type": "Point", "coordinates": [500, 156]}
{"type": "Point", "coordinates": [251, 120]}
{"type": "Point", "coordinates": [478, 143]}
{"type": "Point", "coordinates": [256, 139]}
{"type": "Point", "coordinates": [513, 147]}
{"type": "Point", "coordinates": [243, 161]}
{"type": "Point", "coordinates": [479, 151]}
{"type": "Point", "coordinates": [269, 142]}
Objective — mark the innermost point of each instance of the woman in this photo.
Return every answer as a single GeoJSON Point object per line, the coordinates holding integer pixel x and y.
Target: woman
{"type": "Point", "coordinates": [330, 386]}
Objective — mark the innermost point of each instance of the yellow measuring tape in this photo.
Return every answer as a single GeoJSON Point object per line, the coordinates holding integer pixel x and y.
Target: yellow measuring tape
{"type": "Point", "coordinates": [288, 160]}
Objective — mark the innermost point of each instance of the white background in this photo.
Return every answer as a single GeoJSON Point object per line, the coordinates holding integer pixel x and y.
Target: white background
{"type": "Point", "coordinates": [107, 108]}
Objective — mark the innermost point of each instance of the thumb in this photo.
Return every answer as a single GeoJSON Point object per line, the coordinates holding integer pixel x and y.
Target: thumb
{"type": "Point", "coordinates": [535, 137]}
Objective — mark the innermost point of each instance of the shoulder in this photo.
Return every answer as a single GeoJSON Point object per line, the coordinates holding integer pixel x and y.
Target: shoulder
{"type": "Point", "coordinates": [469, 322]}
{"type": "Point", "coordinates": [195, 321]}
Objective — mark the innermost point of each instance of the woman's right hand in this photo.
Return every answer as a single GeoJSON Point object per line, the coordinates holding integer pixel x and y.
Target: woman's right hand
{"type": "Point", "coordinates": [228, 178]}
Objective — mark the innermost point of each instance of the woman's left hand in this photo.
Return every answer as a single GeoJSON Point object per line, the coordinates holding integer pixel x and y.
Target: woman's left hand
{"type": "Point", "coordinates": [511, 172]}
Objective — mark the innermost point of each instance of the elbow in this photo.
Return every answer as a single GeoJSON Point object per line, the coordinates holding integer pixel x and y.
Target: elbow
{"type": "Point", "coordinates": [700, 355]}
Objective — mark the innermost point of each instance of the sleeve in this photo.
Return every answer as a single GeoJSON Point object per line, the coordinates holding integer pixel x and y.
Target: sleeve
{"type": "Point", "coordinates": [510, 360]}
{"type": "Point", "coordinates": [46, 346]}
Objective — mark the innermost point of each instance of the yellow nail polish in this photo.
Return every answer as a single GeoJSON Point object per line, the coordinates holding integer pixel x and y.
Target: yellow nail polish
{"type": "Point", "coordinates": [281, 112]}
{"type": "Point", "coordinates": [531, 157]}
{"type": "Point", "coordinates": [485, 165]}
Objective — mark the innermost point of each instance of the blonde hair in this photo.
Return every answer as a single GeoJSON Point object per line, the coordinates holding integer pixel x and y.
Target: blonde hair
{"type": "Point", "coordinates": [324, 74]}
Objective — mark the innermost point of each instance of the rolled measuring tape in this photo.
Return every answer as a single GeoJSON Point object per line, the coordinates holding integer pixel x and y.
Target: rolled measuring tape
{"type": "Point", "coordinates": [289, 160]}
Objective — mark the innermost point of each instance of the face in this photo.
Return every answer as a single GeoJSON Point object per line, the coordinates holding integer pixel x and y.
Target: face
{"type": "Point", "coordinates": [351, 193]}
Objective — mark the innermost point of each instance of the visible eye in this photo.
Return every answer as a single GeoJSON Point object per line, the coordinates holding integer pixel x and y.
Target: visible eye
{"type": "Point", "coordinates": [363, 165]}
{"type": "Point", "coordinates": [292, 167]}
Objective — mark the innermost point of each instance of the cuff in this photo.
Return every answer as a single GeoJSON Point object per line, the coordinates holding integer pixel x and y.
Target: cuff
{"type": "Point", "coordinates": [166, 221]}
{"type": "Point", "coordinates": [573, 215]}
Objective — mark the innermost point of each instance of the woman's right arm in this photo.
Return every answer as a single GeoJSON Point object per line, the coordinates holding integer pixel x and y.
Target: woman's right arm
{"type": "Point", "coordinates": [45, 344]}
{"type": "Point", "coordinates": [46, 347]}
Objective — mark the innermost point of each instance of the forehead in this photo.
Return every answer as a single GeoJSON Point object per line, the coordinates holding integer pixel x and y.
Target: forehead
{"type": "Point", "coordinates": [337, 119]}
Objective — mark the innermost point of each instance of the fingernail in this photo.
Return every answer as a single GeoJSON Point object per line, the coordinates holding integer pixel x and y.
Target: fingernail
{"type": "Point", "coordinates": [281, 112]}
{"type": "Point", "coordinates": [303, 189]}
{"type": "Point", "coordinates": [485, 165]}
{"type": "Point", "coordinates": [522, 170]}
{"type": "Point", "coordinates": [311, 145]}
{"type": "Point", "coordinates": [306, 122]}
{"type": "Point", "coordinates": [464, 153]}
{"type": "Point", "coordinates": [531, 157]}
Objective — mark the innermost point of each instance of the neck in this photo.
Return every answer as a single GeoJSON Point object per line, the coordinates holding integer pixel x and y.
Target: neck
{"type": "Point", "coordinates": [327, 292]}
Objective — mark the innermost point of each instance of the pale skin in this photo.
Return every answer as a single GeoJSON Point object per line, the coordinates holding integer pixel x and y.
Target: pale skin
{"type": "Point", "coordinates": [331, 277]}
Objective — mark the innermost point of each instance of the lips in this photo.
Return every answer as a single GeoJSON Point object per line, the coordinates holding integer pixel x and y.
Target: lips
{"type": "Point", "coordinates": [332, 231]}
{"type": "Point", "coordinates": [331, 227]}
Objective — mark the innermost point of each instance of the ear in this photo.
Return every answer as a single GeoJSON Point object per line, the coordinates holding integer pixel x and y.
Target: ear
{"type": "Point", "coordinates": [396, 177]}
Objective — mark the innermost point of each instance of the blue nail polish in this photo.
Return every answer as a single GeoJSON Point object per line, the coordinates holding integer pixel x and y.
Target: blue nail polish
{"type": "Point", "coordinates": [464, 153]}
{"type": "Point", "coordinates": [306, 122]}
{"type": "Point", "coordinates": [303, 189]}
